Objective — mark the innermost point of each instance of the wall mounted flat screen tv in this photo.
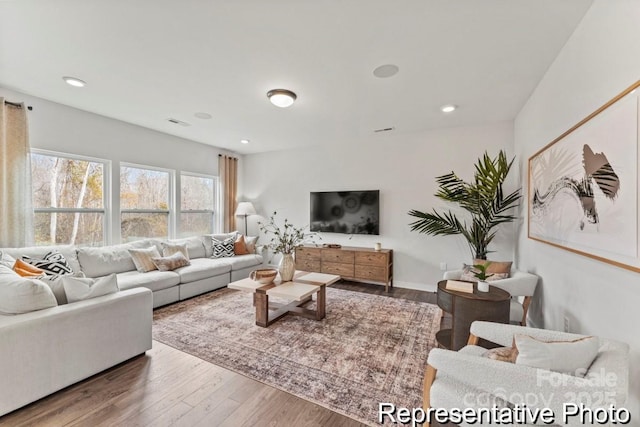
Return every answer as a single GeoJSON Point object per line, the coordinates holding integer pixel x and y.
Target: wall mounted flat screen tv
{"type": "Point", "coordinates": [349, 212]}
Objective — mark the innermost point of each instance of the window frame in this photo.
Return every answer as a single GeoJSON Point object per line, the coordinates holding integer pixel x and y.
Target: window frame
{"type": "Point", "coordinates": [171, 197]}
{"type": "Point", "coordinates": [213, 211]}
{"type": "Point", "coordinates": [106, 191]}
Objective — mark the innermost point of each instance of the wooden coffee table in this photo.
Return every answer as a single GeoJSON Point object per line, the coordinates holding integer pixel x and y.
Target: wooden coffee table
{"type": "Point", "coordinates": [299, 291]}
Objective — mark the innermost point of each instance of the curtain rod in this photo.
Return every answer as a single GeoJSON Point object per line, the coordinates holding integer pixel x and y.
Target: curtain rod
{"type": "Point", "coordinates": [14, 104]}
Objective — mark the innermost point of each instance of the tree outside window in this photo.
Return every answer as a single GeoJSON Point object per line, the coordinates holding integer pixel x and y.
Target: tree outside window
{"type": "Point", "coordinates": [145, 202]}
{"type": "Point", "coordinates": [68, 199]}
{"type": "Point", "coordinates": [197, 205]}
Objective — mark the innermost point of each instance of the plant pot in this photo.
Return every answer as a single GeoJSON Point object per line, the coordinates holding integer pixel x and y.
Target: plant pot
{"type": "Point", "coordinates": [483, 286]}
{"type": "Point", "coordinates": [287, 267]}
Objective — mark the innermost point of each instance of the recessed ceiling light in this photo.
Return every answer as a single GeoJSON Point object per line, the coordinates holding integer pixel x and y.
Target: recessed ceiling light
{"type": "Point", "coordinates": [203, 116]}
{"type": "Point", "coordinates": [387, 70]}
{"type": "Point", "coordinates": [73, 81]}
{"type": "Point", "coordinates": [244, 141]}
{"type": "Point", "coordinates": [448, 108]}
{"type": "Point", "coordinates": [282, 98]}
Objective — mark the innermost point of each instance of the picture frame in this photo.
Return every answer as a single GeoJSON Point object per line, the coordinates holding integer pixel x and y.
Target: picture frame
{"type": "Point", "coordinates": [583, 192]}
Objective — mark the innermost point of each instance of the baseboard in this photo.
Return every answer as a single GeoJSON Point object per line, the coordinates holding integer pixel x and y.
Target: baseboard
{"type": "Point", "coordinates": [427, 287]}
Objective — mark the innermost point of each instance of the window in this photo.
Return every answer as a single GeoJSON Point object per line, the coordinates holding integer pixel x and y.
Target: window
{"type": "Point", "coordinates": [145, 202]}
{"type": "Point", "coordinates": [197, 206]}
{"type": "Point", "coordinates": [69, 199]}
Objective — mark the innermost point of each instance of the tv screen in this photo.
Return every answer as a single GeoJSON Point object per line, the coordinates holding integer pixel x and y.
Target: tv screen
{"type": "Point", "coordinates": [349, 212]}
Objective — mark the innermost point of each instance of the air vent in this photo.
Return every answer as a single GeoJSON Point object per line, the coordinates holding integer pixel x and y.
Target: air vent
{"type": "Point", "coordinates": [178, 122]}
{"type": "Point", "coordinates": [385, 129]}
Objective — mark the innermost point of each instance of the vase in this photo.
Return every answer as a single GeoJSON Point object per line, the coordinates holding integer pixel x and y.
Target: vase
{"type": "Point", "coordinates": [483, 286]}
{"type": "Point", "coordinates": [287, 267]}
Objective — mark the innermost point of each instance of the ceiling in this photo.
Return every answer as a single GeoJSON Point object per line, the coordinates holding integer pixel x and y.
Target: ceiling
{"type": "Point", "coordinates": [149, 60]}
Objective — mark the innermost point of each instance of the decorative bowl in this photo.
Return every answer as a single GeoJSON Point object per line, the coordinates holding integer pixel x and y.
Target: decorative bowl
{"type": "Point", "coordinates": [264, 275]}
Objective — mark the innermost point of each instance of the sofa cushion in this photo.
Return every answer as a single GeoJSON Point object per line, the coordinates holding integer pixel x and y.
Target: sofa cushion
{"type": "Point", "coordinates": [69, 253]}
{"type": "Point", "coordinates": [79, 289]}
{"type": "Point", "coordinates": [195, 246]}
{"type": "Point", "coordinates": [22, 295]}
{"type": "Point", "coordinates": [203, 268]}
{"type": "Point", "coordinates": [102, 261]}
{"type": "Point", "coordinates": [243, 261]}
{"type": "Point", "coordinates": [154, 280]}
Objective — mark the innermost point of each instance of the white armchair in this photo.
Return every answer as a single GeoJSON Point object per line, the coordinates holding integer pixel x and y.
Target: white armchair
{"type": "Point", "coordinates": [520, 285]}
{"type": "Point", "coordinates": [464, 379]}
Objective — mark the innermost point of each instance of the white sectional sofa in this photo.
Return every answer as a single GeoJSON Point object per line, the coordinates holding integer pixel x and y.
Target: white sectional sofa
{"type": "Point", "coordinates": [203, 275]}
{"type": "Point", "coordinates": [47, 350]}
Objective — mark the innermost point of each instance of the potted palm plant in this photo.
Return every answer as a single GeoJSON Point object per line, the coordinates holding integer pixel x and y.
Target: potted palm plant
{"type": "Point", "coordinates": [483, 200]}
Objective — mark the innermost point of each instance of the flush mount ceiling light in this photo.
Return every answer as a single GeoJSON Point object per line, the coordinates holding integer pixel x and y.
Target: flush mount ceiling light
{"type": "Point", "coordinates": [449, 108]}
{"type": "Point", "coordinates": [387, 70]}
{"type": "Point", "coordinates": [73, 81]}
{"type": "Point", "coordinates": [282, 98]}
{"type": "Point", "coordinates": [244, 141]}
{"type": "Point", "coordinates": [203, 116]}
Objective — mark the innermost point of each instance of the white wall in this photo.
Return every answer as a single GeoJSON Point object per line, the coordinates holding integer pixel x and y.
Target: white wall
{"type": "Point", "coordinates": [600, 60]}
{"type": "Point", "coordinates": [403, 168]}
{"type": "Point", "coordinates": [64, 129]}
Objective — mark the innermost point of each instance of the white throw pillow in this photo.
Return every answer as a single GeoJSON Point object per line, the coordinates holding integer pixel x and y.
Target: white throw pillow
{"type": "Point", "coordinates": [142, 258]}
{"type": "Point", "coordinates": [77, 289]}
{"type": "Point", "coordinates": [567, 357]}
{"type": "Point", "coordinates": [169, 249]}
{"type": "Point", "coordinates": [22, 295]}
{"type": "Point", "coordinates": [251, 242]}
{"type": "Point", "coordinates": [56, 285]}
{"type": "Point", "coordinates": [7, 260]}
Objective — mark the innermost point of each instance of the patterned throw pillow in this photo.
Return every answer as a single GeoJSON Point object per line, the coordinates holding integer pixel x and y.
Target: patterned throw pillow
{"type": "Point", "coordinates": [170, 263]}
{"type": "Point", "coordinates": [53, 264]}
{"type": "Point", "coordinates": [223, 248]}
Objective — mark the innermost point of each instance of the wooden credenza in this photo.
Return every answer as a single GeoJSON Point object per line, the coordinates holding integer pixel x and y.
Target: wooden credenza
{"type": "Point", "coordinates": [351, 263]}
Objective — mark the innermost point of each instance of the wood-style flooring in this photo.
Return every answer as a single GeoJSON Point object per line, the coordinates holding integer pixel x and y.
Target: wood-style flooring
{"type": "Point", "coordinates": [167, 387]}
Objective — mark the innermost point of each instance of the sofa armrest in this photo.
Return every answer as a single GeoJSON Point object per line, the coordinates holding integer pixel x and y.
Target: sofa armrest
{"type": "Point", "coordinates": [502, 334]}
{"type": "Point", "coordinates": [452, 275]}
{"type": "Point", "coordinates": [519, 284]}
{"type": "Point", "coordinates": [511, 382]}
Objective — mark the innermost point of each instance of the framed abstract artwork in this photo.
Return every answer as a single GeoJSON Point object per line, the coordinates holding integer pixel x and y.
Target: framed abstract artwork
{"type": "Point", "coordinates": [583, 186]}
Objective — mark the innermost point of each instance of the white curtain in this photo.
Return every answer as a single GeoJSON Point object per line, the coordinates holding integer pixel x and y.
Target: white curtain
{"type": "Point", "coordinates": [15, 177]}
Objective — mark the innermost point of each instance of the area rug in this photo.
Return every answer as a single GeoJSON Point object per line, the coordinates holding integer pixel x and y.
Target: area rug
{"type": "Point", "coordinates": [368, 349]}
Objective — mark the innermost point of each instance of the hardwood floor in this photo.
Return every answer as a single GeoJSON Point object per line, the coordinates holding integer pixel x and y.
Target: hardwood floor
{"type": "Point", "coordinates": [166, 387]}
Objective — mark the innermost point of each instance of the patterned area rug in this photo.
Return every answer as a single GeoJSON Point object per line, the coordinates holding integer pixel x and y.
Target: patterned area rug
{"type": "Point", "coordinates": [369, 349]}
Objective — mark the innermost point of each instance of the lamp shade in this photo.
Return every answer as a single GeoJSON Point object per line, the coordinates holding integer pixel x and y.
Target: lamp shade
{"type": "Point", "coordinates": [245, 208]}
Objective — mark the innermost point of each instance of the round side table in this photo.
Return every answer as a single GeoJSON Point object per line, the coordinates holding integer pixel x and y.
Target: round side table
{"type": "Point", "coordinates": [465, 308]}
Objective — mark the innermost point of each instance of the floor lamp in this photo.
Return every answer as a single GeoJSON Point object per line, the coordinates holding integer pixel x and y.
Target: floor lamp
{"type": "Point", "coordinates": [245, 209]}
